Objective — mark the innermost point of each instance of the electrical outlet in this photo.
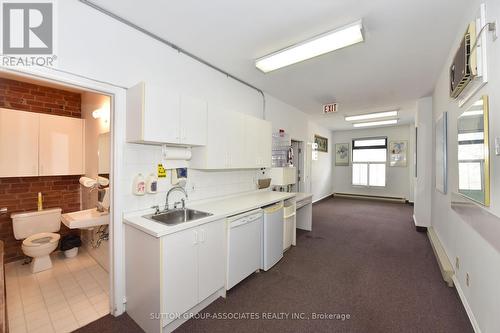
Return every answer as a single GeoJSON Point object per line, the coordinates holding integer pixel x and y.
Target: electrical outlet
{"type": "Point", "coordinates": [467, 280]}
{"type": "Point", "coordinates": [497, 146]}
{"type": "Point", "coordinates": [457, 263]}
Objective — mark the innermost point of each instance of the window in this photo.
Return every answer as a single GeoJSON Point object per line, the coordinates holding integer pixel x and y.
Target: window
{"type": "Point", "coordinates": [470, 161]}
{"type": "Point", "coordinates": [369, 157]}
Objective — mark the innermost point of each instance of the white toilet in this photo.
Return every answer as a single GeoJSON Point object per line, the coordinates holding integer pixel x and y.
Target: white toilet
{"type": "Point", "coordinates": [38, 228]}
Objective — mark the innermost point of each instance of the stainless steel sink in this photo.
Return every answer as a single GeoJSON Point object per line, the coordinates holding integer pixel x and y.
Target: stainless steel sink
{"type": "Point", "coordinates": [176, 216]}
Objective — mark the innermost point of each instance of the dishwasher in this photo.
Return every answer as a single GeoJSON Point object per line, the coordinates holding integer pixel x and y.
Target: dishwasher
{"type": "Point", "coordinates": [272, 247]}
{"type": "Point", "coordinates": [244, 246]}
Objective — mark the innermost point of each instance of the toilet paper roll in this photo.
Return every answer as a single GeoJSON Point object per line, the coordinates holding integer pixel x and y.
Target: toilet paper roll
{"type": "Point", "coordinates": [176, 154]}
{"type": "Point", "coordinates": [87, 182]}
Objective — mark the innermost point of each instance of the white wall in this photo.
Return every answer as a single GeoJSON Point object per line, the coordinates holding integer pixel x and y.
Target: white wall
{"type": "Point", "coordinates": [93, 128]}
{"type": "Point", "coordinates": [477, 257]}
{"type": "Point", "coordinates": [423, 182]}
{"type": "Point", "coordinates": [397, 178]}
{"type": "Point", "coordinates": [321, 169]}
{"type": "Point", "coordinates": [110, 51]}
{"type": "Point", "coordinates": [301, 128]}
{"type": "Point", "coordinates": [98, 50]}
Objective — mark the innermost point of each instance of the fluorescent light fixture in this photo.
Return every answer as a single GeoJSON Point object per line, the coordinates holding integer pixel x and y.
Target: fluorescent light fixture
{"type": "Point", "coordinates": [324, 43]}
{"type": "Point", "coordinates": [372, 115]}
{"type": "Point", "coordinates": [376, 123]}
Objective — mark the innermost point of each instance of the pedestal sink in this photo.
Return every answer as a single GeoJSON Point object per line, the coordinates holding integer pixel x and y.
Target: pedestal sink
{"type": "Point", "coordinates": [85, 219]}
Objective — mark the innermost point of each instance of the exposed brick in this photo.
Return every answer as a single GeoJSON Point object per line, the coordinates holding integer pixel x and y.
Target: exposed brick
{"type": "Point", "coordinates": [20, 193]}
{"type": "Point", "coordinates": [31, 97]}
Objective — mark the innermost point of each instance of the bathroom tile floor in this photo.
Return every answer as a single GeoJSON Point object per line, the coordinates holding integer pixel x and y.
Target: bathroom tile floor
{"type": "Point", "coordinates": [72, 294]}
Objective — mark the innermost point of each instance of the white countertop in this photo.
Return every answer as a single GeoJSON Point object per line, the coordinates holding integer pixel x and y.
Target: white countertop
{"type": "Point", "coordinates": [299, 196]}
{"type": "Point", "coordinates": [220, 208]}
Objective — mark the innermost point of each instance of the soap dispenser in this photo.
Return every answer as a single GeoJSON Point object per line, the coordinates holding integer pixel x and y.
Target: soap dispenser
{"type": "Point", "coordinates": [139, 186]}
{"type": "Point", "coordinates": [152, 184]}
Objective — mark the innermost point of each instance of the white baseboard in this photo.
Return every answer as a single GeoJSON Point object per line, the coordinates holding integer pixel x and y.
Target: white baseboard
{"type": "Point", "coordinates": [369, 197]}
{"type": "Point", "coordinates": [470, 314]}
{"type": "Point", "coordinates": [415, 220]}
{"type": "Point", "coordinates": [444, 263]}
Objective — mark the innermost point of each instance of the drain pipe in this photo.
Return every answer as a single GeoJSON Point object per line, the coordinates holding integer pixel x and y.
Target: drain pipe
{"type": "Point", "coordinates": [177, 48]}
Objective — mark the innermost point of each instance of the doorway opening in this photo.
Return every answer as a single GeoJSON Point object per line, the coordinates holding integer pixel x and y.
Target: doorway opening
{"type": "Point", "coordinates": [56, 183]}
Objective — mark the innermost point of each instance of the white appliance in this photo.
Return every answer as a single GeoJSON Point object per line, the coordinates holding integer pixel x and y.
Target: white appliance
{"type": "Point", "coordinates": [244, 246]}
{"type": "Point", "coordinates": [289, 236]}
{"type": "Point", "coordinates": [272, 248]}
{"type": "Point", "coordinates": [304, 213]}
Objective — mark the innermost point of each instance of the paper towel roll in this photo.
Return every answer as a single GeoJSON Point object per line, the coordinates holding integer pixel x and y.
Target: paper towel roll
{"type": "Point", "coordinates": [176, 154]}
{"type": "Point", "coordinates": [87, 182]}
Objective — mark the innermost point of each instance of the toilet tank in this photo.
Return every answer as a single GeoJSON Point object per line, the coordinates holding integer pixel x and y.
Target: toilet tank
{"type": "Point", "coordinates": [26, 224]}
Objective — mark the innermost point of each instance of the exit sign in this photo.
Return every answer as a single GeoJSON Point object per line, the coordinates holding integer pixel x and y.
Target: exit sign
{"type": "Point", "coordinates": [330, 108]}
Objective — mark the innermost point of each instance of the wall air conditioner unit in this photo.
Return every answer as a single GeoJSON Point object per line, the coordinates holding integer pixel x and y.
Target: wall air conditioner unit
{"type": "Point", "coordinates": [464, 66]}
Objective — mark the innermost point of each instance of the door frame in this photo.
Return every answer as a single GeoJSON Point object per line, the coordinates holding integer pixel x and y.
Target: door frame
{"type": "Point", "coordinates": [117, 96]}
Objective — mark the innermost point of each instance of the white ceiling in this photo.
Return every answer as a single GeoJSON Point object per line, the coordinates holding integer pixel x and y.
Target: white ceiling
{"type": "Point", "coordinates": [406, 44]}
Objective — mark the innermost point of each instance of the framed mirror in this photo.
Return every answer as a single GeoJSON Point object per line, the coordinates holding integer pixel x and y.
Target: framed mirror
{"type": "Point", "coordinates": [473, 153]}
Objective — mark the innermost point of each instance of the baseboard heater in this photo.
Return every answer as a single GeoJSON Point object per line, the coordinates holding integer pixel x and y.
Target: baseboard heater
{"type": "Point", "coordinates": [444, 263]}
{"type": "Point", "coordinates": [369, 197]}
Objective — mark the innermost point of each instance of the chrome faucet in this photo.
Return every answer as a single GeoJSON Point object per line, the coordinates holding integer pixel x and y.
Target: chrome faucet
{"type": "Point", "coordinates": [183, 201]}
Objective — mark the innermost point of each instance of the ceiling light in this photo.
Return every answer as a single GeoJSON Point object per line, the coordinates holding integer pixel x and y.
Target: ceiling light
{"type": "Point", "coordinates": [372, 115]}
{"type": "Point", "coordinates": [324, 43]}
{"type": "Point", "coordinates": [376, 123]}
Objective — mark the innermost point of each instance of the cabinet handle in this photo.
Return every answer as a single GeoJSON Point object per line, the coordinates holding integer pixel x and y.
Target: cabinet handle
{"type": "Point", "coordinates": [195, 237]}
{"type": "Point", "coordinates": [202, 232]}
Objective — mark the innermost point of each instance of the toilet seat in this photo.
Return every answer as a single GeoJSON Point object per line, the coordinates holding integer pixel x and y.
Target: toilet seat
{"type": "Point", "coordinates": [41, 239]}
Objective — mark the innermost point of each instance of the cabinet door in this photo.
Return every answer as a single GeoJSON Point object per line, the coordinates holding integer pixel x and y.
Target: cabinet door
{"type": "Point", "coordinates": [60, 146]}
{"type": "Point", "coordinates": [252, 142]}
{"type": "Point", "coordinates": [235, 140]}
{"type": "Point", "coordinates": [180, 272]}
{"type": "Point", "coordinates": [211, 254]}
{"type": "Point", "coordinates": [18, 143]}
{"type": "Point", "coordinates": [215, 155]}
{"type": "Point", "coordinates": [161, 115]}
{"type": "Point", "coordinates": [258, 140]}
{"type": "Point", "coordinates": [266, 142]}
{"type": "Point", "coordinates": [193, 114]}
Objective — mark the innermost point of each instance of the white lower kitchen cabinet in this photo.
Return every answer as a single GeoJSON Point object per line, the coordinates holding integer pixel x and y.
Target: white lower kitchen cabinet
{"type": "Point", "coordinates": [170, 277]}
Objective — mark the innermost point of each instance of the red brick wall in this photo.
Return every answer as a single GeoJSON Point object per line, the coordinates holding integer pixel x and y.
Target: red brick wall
{"type": "Point", "coordinates": [31, 97]}
{"type": "Point", "coordinates": [20, 193]}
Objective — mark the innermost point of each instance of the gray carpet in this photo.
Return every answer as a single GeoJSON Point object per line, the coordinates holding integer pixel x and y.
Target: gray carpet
{"type": "Point", "coordinates": [363, 259]}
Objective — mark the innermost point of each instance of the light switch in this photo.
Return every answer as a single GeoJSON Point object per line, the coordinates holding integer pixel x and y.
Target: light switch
{"type": "Point", "coordinates": [497, 145]}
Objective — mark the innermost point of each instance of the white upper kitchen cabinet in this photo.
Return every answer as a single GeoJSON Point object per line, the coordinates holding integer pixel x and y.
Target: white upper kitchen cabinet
{"type": "Point", "coordinates": [258, 142]}
{"type": "Point", "coordinates": [60, 146]}
{"type": "Point", "coordinates": [159, 115]}
{"type": "Point", "coordinates": [193, 120]}
{"type": "Point", "coordinates": [234, 141]}
{"type": "Point", "coordinates": [18, 143]}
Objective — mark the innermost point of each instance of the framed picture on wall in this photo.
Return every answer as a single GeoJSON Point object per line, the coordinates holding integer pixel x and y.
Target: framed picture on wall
{"type": "Point", "coordinates": [342, 154]}
{"type": "Point", "coordinates": [397, 153]}
{"type": "Point", "coordinates": [441, 153]}
{"type": "Point", "coordinates": [322, 143]}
